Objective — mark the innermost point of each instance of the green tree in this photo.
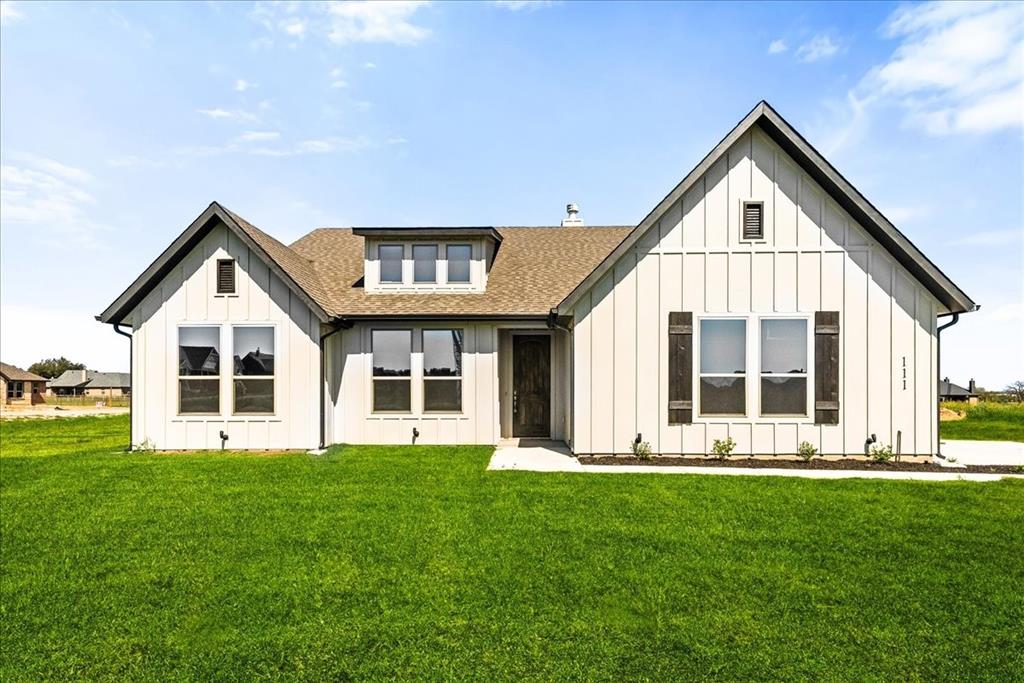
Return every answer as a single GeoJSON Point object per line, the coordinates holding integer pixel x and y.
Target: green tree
{"type": "Point", "coordinates": [54, 367]}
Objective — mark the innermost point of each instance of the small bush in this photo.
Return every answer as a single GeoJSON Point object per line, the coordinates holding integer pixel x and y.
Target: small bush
{"type": "Point", "coordinates": [806, 451]}
{"type": "Point", "coordinates": [722, 448]}
{"type": "Point", "coordinates": [641, 450]}
{"type": "Point", "coordinates": [880, 453]}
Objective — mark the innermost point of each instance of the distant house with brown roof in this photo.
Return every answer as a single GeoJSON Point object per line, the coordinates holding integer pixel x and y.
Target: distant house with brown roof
{"type": "Point", "coordinates": [21, 387]}
{"type": "Point", "coordinates": [763, 299]}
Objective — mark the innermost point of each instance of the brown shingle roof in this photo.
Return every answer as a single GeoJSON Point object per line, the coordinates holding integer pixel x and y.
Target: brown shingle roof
{"type": "Point", "coordinates": [11, 372]}
{"type": "Point", "coordinates": [534, 269]}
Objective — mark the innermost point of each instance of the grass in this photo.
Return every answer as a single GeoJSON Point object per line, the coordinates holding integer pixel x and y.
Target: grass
{"type": "Point", "coordinates": [985, 421]}
{"type": "Point", "coordinates": [416, 563]}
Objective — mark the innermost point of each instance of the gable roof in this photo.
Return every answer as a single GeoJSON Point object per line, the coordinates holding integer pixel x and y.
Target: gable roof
{"type": "Point", "coordinates": [534, 269]}
{"type": "Point", "coordinates": [91, 379]}
{"type": "Point", "coordinates": [12, 372]}
{"type": "Point", "coordinates": [815, 165]}
{"type": "Point", "coordinates": [297, 273]}
{"type": "Point", "coordinates": [947, 388]}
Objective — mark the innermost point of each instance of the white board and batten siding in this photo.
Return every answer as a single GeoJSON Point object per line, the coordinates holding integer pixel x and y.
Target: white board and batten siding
{"type": "Point", "coordinates": [814, 257]}
{"type": "Point", "coordinates": [187, 296]}
{"type": "Point", "coordinates": [486, 387]}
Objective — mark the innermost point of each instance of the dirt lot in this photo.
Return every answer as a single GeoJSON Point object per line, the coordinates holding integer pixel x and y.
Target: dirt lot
{"type": "Point", "coordinates": [46, 411]}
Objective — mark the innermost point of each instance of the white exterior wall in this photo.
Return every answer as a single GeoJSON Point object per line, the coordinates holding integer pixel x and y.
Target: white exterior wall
{"type": "Point", "coordinates": [486, 387]}
{"type": "Point", "coordinates": [814, 257]}
{"type": "Point", "coordinates": [187, 295]}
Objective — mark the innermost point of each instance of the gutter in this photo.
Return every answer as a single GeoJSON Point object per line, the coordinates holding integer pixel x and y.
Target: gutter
{"type": "Point", "coordinates": [337, 327]}
{"type": "Point", "coordinates": [131, 385]}
{"type": "Point", "coordinates": [938, 379]}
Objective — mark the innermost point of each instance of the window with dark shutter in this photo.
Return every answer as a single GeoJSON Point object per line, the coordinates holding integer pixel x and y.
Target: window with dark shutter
{"type": "Point", "coordinates": [826, 367]}
{"type": "Point", "coordinates": [753, 220]}
{"type": "Point", "coordinates": [680, 368]}
{"type": "Point", "coordinates": [225, 276]}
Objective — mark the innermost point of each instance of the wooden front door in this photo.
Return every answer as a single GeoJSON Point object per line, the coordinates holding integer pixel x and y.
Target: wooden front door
{"type": "Point", "coordinates": [531, 385]}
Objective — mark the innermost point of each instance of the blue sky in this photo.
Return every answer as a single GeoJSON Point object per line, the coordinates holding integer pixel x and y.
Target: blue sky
{"type": "Point", "coordinates": [119, 123]}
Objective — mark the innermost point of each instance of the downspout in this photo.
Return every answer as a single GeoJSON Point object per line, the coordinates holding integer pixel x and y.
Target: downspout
{"type": "Point", "coordinates": [338, 327]}
{"type": "Point", "coordinates": [131, 385]}
{"type": "Point", "coordinates": [938, 380]}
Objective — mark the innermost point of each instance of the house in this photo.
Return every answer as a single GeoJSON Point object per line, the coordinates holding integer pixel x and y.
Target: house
{"type": "Point", "coordinates": [91, 383]}
{"type": "Point", "coordinates": [954, 392]}
{"type": "Point", "coordinates": [20, 387]}
{"type": "Point", "coordinates": [763, 299]}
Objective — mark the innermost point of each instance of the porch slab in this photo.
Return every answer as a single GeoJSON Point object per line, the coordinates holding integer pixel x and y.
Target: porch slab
{"type": "Point", "coordinates": [534, 456]}
{"type": "Point", "coordinates": [984, 452]}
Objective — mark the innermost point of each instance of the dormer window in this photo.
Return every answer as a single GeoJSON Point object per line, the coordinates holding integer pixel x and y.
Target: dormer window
{"type": "Point", "coordinates": [458, 256]}
{"type": "Point", "coordinates": [390, 257]}
{"type": "Point", "coordinates": [424, 263]}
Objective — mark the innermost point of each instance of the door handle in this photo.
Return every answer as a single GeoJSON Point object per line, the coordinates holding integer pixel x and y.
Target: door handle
{"type": "Point", "coordinates": [515, 401]}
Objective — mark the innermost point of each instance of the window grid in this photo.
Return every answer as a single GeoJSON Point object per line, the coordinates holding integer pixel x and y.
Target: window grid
{"type": "Point", "coordinates": [254, 370]}
{"type": "Point", "coordinates": [431, 375]}
{"type": "Point", "coordinates": [380, 379]}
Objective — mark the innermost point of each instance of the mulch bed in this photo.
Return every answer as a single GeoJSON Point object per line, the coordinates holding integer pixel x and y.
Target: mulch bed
{"type": "Point", "coordinates": [816, 464]}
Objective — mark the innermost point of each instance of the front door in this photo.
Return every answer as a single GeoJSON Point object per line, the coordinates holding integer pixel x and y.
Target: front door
{"type": "Point", "coordinates": [531, 385]}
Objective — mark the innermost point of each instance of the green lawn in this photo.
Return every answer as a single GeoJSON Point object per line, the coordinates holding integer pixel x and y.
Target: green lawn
{"type": "Point", "coordinates": [986, 422]}
{"type": "Point", "coordinates": [416, 563]}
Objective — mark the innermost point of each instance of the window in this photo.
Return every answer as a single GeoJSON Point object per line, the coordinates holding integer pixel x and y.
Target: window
{"type": "Point", "coordinates": [253, 369]}
{"type": "Point", "coordinates": [783, 366]}
{"type": "Point", "coordinates": [753, 220]}
{"type": "Point", "coordinates": [390, 257]}
{"type": "Point", "coordinates": [442, 370]}
{"type": "Point", "coordinates": [225, 276]}
{"type": "Point", "coordinates": [15, 389]}
{"type": "Point", "coordinates": [424, 263]}
{"type": "Point", "coordinates": [392, 370]}
{"type": "Point", "coordinates": [723, 367]}
{"type": "Point", "coordinates": [458, 256]}
{"type": "Point", "coordinates": [198, 370]}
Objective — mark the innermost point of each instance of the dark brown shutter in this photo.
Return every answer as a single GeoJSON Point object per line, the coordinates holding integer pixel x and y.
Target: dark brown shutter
{"type": "Point", "coordinates": [753, 220]}
{"type": "Point", "coordinates": [826, 367]}
{"type": "Point", "coordinates": [680, 368]}
{"type": "Point", "coordinates": [225, 276]}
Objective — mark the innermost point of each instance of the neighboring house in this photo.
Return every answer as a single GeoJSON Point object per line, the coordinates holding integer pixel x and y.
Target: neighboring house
{"type": "Point", "coordinates": [763, 299]}
{"type": "Point", "coordinates": [954, 392]}
{"type": "Point", "coordinates": [20, 387]}
{"type": "Point", "coordinates": [91, 383]}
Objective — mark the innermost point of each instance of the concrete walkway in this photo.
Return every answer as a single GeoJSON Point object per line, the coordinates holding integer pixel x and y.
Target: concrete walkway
{"type": "Point", "coordinates": [984, 452]}
{"type": "Point", "coordinates": [551, 457]}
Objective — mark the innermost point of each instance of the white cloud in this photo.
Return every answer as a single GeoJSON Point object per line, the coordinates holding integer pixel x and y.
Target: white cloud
{"type": "Point", "coordinates": [259, 136]}
{"type": "Point", "coordinates": [396, 141]}
{"type": "Point", "coordinates": [9, 12]}
{"type": "Point", "coordinates": [228, 115]}
{"type": "Point", "coordinates": [49, 196]}
{"type": "Point", "coordinates": [337, 80]}
{"type": "Point", "coordinates": [60, 332]}
{"type": "Point", "coordinates": [344, 22]}
{"type": "Point", "coordinates": [777, 47]}
{"type": "Point", "coordinates": [817, 48]}
{"type": "Point", "coordinates": [958, 69]}
{"type": "Point", "coordinates": [339, 84]}
{"type": "Point", "coordinates": [516, 5]}
{"type": "Point", "coordinates": [990, 238]}
{"type": "Point", "coordinates": [369, 65]}
{"type": "Point", "coordinates": [241, 85]}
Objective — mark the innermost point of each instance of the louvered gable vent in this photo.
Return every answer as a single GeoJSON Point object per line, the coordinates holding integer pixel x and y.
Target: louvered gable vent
{"type": "Point", "coordinates": [225, 276]}
{"type": "Point", "coordinates": [753, 220]}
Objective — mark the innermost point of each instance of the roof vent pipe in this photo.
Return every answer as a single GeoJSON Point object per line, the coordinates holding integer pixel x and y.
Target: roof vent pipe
{"type": "Point", "coordinates": [573, 219]}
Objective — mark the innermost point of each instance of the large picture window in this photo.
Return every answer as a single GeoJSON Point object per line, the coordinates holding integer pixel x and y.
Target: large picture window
{"type": "Point", "coordinates": [199, 370]}
{"type": "Point", "coordinates": [442, 370]}
{"type": "Point", "coordinates": [424, 263]}
{"type": "Point", "coordinates": [723, 367]}
{"type": "Point", "coordinates": [390, 258]}
{"type": "Point", "coordinates": [784, 366]}
{"type": "Point", "coordinates": [253, 369]}
{"type": "Point", "coordinates": [392, 370]}
{"type": "Point", "coordinates": [458, 256]}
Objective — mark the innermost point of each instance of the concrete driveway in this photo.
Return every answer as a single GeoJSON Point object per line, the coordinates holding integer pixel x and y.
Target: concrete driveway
{"type": "Point", "coordinates": [984, 452]}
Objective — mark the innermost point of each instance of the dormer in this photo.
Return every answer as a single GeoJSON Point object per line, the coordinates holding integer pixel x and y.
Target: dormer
{"type": "Point", "coordinates": [427, 259]}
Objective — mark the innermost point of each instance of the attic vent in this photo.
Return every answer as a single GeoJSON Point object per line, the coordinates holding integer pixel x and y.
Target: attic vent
{"type": "Point", "coordinates": [753, 220]}
{"type": "Point", "coordinates": [225, 276]}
